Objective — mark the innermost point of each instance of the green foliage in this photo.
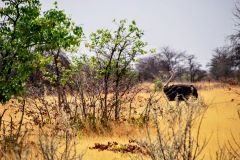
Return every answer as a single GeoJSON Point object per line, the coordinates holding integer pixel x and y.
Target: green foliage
{"type": "Point", "coordinates": [138, 121]}
{"type": "Point", "coordinates": [77, 123]}
{"type": "Point", "coordinates": [120, 46]}
{"type": "Point", "coordinates": [79, 62]}
{"type": "Point", "coordinates": [25, 36]}
{"type": "Point", "coordinates": [92, 122]}
{"type": "Point", "coordinates": [16, 43]}
{"type": "Point", "coordinates": [186, 76]}
{"type": "Point", "coordinates": [158, 85]}
{"type": "Point", "coordinates": [60, 31]}
{"type": "Point", "coordinates": [115, 51]}
{"type": "Point", "coordinates": [105, 123]}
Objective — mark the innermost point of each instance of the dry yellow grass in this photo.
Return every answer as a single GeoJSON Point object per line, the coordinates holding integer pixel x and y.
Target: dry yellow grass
{"type": "Point", "coordinates": [222, 119]}
{"type": "Point", "coordinates": [220, 123]}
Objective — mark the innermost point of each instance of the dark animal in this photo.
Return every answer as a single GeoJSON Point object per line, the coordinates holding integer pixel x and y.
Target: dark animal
{"type": "Point", "coordinates": [179, 92]}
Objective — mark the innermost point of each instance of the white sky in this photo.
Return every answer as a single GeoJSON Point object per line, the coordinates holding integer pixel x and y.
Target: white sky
{"type": "Point", "coordinates": [194, 26]}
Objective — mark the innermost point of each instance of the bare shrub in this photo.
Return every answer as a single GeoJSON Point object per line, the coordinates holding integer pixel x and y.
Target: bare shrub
{"type": "Point", "coordinates": [58, 140]}
{"type": "Point", "coordinates": [177, 131]}
{"type": "Point", "coordinates": [53, 146]}
{"type": "Point", "coordinates": [14, 137]}
{"type": "Point", "coordinates": [229, 150]}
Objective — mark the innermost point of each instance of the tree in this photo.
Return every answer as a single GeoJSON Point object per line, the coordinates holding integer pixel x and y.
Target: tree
{"type": "Point", "coordinates": [115, 51]}
{"type": "Point", "coordinates": [166, 60]}
{"type": "Point", "coordinates": [17, 44]}
{"type": "Point", "coordinates": [235, 56]}
{"type": "Point", "coordinates": [235, 39]}
{"type": "Point", "coordinates": [149, 67]}
{"type": "Point", "coordinates": [24, 36]}
{"type": "Point", "coordinates": [221, 64]}
{"type": "Point", "coordinates": [193, 68]}
{"type": "Point", "coordinates": [61, 35]}
{"type": "Point", "coordinates": [171, 59]}
{"type": "Point", "coordinates": [225, 62]}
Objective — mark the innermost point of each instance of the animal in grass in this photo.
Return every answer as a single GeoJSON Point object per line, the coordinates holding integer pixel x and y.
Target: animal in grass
{"type": "Point", "coordinates": [179, 92]}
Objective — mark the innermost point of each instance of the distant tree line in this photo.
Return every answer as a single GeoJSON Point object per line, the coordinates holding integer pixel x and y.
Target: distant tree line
{"type": "Point", "coordinates": [224, 65]}
{"type": "Point", "coordinates": [157, 65]}
{"type": "Point", "coordinates": [225, 62]}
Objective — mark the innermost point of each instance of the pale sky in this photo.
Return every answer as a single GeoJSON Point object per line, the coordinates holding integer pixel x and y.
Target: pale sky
{"type": "Point", "coordinates": [194, 26]}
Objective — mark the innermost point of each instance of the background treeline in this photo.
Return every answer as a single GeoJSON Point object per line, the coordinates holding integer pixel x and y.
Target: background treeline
{"type": "Point", "coordinates": [224, 65]}
{"type": "Point", "coordinates": [185, 66]}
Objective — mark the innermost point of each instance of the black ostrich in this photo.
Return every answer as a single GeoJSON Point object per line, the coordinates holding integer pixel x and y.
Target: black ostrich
{"type": "Point", "coordinates": [179, 92]}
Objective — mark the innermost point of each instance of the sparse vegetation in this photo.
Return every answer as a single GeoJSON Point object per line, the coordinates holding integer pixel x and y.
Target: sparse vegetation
{"type": "Point", "coordinates": [56, 108]}
{"type": "Point", "coordinates": [177, 132]}
{"type": "Point", "coordinates": [156, 129]}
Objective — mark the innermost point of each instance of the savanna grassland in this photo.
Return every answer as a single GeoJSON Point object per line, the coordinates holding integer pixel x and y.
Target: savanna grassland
{"type": "Point", "coordinates": [214, 128]}
{"type": "Point", "coordinates": [57, 106]}
{"type": "Point", "coordinates": [221, 121]}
